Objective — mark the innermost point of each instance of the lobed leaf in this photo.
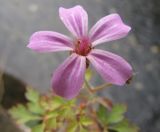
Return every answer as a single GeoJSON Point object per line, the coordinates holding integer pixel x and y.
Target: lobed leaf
{"type": "Point", "coordinates": [125, 126]}
{"type": "Point", "coordinates": [116, 114]}
{"type": "Point", "coordinates": [21, 114]}
{"type": "Point", "coordinates": [38, 128]}
{"type": "Point", "coordinates": [32, 95]}
{"type": "Point", "coordinates": [109, 117]}
{"type": "Point", "coordinates": [35, 108]}
{"type": "Point", "coordinates": [73, 126]}
{"type": "Point", "coordinates": [84, 120]}
{"type": "Point", "coordinates": [51, 123]}
{"type": "Point", "coordinates": [102, 114]}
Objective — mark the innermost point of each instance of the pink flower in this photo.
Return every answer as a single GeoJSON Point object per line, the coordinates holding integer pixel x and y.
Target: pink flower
{"type": "Point", "coordinates": [68, 79]}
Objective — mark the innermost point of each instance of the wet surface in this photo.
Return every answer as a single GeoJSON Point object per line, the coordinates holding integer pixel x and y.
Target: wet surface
{"type": "Point", "coordinates": [20, 18]}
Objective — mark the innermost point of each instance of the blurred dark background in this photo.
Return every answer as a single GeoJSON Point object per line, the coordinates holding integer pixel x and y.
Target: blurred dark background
{"type": "Point", "coordinates": [20, 66]}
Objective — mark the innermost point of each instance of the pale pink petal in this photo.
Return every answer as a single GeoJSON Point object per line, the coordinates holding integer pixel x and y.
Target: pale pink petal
{"type": "Point", "coordinates": [75, 19]}
{"type": "Point", "coordinates": [47, 41]}
{"type": "Point", "coordinates": [112, 68]}
{"type": "Point", "coordinates": [69, 77]}
{"type": "Point", "coordinates": [107, 29]}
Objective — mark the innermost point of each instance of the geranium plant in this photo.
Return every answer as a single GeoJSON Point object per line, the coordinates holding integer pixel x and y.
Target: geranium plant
{"type": "Point", "coordinates": [68, 109]}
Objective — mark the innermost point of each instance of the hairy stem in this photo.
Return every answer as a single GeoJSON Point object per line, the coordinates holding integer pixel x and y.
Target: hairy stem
{"type": "Point", "coordinates": [97, 88]}
{"type": "Point", "coordinates": [100, 87]}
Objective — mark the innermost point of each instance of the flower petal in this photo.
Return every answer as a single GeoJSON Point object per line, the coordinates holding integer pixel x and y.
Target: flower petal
{"type": "Point", "coordinates": [111, 67]}
{"type": "Point", "coordinates": [107, 29]}
{"type": "Point", "coordinates": [75, 19]}
{"type": "Point", "coordinates": [68, 78]}
{"type": "Point", "coordinates": [47, 41]}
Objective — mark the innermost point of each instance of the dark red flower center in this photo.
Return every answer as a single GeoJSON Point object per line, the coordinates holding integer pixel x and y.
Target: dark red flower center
{"type": "Point", "coordinates": [82, 47]}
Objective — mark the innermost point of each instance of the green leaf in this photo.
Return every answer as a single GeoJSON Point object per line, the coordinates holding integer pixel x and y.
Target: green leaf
{"type": "Point", "coordinates": [73, 126]}
{"type": "Point", "coordinates": [32, 123]}
{"type": "Point", "coordinates": [32, 95]}
{"type": "Point", "coordinates": [35, 108]}
{"type": "Point", "coordinates": [66, 113]}
{"type": "Point", "coordinates": [55, 102]}
{"type": "Point", "coordinates": [51, 123]}
{"type": "Point", "coordinates": [116, 114]}
{"type": "Point", "coordinates": [52, 114]}
{"type": "Point", "coordinates": [48, 103]}
{"type": "Point", "coordinates": [85, 121]}
{"type": "Point", "coordinates": [119, 109]}
{"type": "Point", "coordinates": [22, 115]}
{"type": "Point", "coordinates": [125, 126]}
{"type": "Point", "coordinates": [71, 102]}
{"type": "Point", "coordinates": [102, 114]}
{"type": "Point", "coordinates": [82, 129]}
{"type": "Point", "coordinates": [38, 128]}
{"type": "Point", "coordinates": [58, 100]}
{"type": "Point", "coordinates": [113, 116]}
